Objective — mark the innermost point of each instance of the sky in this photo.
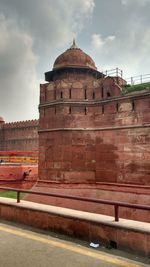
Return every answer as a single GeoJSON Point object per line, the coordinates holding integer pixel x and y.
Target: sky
{"type": "Point", "coordinates": [115, 33]}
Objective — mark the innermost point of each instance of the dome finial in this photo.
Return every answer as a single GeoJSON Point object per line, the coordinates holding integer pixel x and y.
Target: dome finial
{"type": "Point", "coordinates": [74, 41]}
{"type": "Point", "coordinates": [73, 46]}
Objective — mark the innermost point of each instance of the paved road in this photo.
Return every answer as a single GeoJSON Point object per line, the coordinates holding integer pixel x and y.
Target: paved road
{"type": "Point", "coordinates": [24, 248]}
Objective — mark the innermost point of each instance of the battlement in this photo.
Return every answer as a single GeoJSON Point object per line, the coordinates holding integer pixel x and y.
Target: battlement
{"type": "Point", "coordinates": [21, 124]}
{"type": "Point", "coordinates": [19, 135]}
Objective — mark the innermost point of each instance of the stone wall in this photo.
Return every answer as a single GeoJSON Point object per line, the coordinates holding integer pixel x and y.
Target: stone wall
{"type": "Point", "coordinates": [89, 132]}
{"type": "Point", "coordinates": [19, 136]}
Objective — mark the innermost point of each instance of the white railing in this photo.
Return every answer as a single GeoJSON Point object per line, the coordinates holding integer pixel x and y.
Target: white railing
{"type": "Point", "coordinates": [113, 72]}
{"type": "Point", "coordinates": [138, 79]}
{"type": "Point", "coordinates": [144, 78]}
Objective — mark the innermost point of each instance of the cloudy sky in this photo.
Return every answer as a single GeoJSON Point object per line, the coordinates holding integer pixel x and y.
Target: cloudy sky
{"type": "Point", "coordinates": [116, 33]}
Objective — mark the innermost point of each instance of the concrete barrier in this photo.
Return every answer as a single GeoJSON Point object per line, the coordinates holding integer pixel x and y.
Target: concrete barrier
{"type": "Point", "coordinates": [126, 234]}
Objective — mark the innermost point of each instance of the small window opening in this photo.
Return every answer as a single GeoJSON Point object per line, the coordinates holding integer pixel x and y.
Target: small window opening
{"type": "Point", "coordinates": [69, 110]}
{"type": "Point", "coordinates": [61, 95]}
{"type": "Point", "coordinates": [85, 110]}
{"type": "Point", "coordinates": [55, 110]}
{"type": "Point", "coordinates": [55, 94]}
{"type": "Point", "coordinates": [93, 95]}
{"type": "Point", "coordinates": [108, 94]}
{"type": "Point", "coordinates": [85, 94]}
{"type": "Point", "coordinates": [70, 93]}
{"type": "Point", "coordinates": [133, 106]}
{"type": "Point", "coordinates": [117, 107]}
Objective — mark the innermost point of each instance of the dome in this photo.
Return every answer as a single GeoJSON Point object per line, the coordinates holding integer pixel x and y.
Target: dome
{"type": "Point", "coordinates": [74, 57]}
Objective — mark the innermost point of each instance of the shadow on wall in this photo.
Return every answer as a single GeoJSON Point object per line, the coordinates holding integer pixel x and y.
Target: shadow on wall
{"type": "Point", "coordinates": [107, 167]}
{"type": "Point", "coordinates": [137, 173]}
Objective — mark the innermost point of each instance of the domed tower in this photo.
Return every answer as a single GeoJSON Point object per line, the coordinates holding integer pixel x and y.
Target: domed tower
{"type": "Point", "coordinates": [69, 109]}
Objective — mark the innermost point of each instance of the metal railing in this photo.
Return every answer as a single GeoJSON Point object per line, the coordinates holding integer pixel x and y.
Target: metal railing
{"type": "Point", "coordinates": [113, 72]}
{"type": "Point", "coordinates": [138, 79]}
{"type": "Point", "coordinates": [116, 204]}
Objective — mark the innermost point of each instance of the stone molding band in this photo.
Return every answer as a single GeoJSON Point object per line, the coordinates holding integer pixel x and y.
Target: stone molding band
{"type": "Point", "coordinates": [95, 129]}
{"type": "Point", "coordinates": [94, 102]}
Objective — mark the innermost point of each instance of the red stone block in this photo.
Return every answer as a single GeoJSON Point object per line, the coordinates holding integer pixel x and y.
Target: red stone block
{"type": "Point", "coordinates": [67, 153]}
{"type": "Point", "coordinates": [106, 176]}
{"type": "Point", "coordinates": [79, 176]}
{"type": "Point", "coordinates": [127, 239]}
{"type": "Point", "coordinates": [110, 108]}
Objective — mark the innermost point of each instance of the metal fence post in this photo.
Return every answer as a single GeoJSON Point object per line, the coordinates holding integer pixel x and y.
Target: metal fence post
{"type": "Point", "coordinates": [18, 197]}
{"type": "Point", "coordinates": [117, 71]}
{"type": "Point", "coordinates": [116, 213]}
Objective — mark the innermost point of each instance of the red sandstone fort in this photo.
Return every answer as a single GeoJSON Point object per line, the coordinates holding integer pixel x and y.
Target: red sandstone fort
{"type": "Point", "coordinates": [91, 135]}
{"type": "Point", "coordinates": [93, 141]}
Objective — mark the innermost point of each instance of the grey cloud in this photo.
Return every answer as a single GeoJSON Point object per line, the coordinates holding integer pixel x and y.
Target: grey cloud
{"type": "Point", "coordinates": [51, 23]}
{"type": "Point", "coordinates": [17, 72]}
{"type": "Point", "coordinates": [134, 2]}
{"type": "Point", "coordinates": [34, 32]}
{"type": "Point", "coordinates": [129, 49]}
{"type": "Point", "coordinates": [31, 34]}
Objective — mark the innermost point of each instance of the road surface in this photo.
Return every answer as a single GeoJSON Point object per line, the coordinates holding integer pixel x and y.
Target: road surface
{"type": "Point", "coordinates": [22, 247]}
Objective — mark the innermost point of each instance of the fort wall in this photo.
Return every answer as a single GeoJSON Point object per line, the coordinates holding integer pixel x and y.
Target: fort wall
{"type": "Point", "coordinates": [89, 132]}
{"type": "Point", "coordinates": [19, 136]}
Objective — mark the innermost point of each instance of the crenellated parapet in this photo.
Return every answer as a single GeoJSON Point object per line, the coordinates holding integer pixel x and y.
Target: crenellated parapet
{"type": "Point", "coordinates": [21, 124]}
{"type": "Point", "coordinates": [19, 136]}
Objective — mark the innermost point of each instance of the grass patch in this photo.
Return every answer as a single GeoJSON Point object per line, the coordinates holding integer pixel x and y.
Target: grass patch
{"type": "Point", "coordinates": [127, 88]}
{"type": "Point", "coordinates": [12, 194]}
